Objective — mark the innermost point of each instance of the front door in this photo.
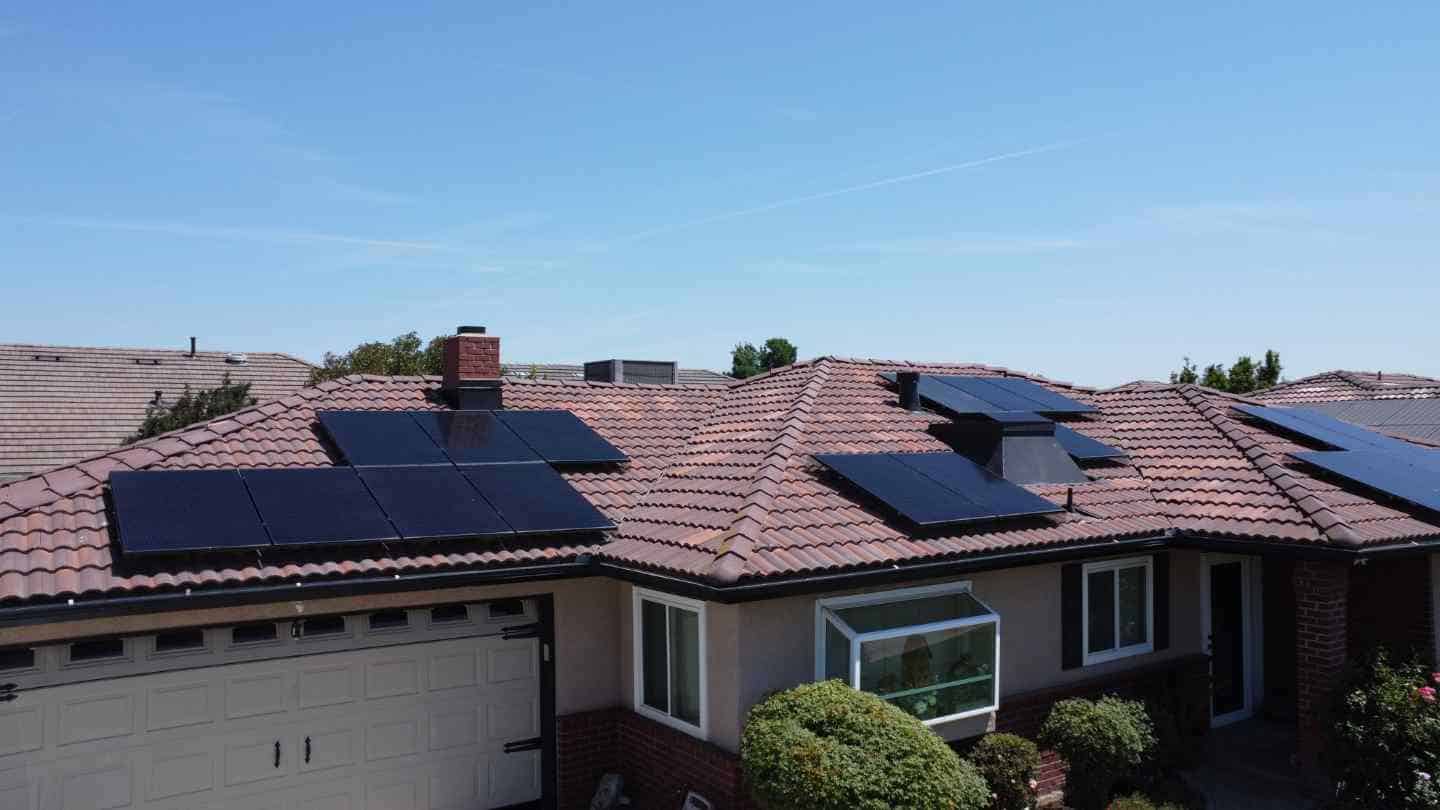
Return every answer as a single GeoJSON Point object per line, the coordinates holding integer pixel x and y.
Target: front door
{"type": "Point", "coordinates": [1229, 638]}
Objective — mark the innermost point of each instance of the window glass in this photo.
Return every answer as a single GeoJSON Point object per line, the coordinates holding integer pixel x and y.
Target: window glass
{"type": "Point", "coordinates": [97, 649]}
{"type": "Point", "coordinates": [685, 665]}
{"type": "Point", "coordinates": [1101, 619]}
{"type": "Point", "coordinates": [933, 674]}
{"type": "Point", "coordinates": [888, 615]}
{"type": "Point", "coordinates": [323, 626]}
{"type": "Point", "coordinates": [177, 640]}
{"type": "Point", "coordinates": [17, 658]}
{"type": "Point", "coordinates": [449, 613]}
{"type": "Point", "coordinates": [655, 692]}
{"type": "Point", "coordinates": [1134, 613]}
{"type": "Point", "coordinates": [389, 619]}
{"type": "Point", "coordinates": [837, 653]}
{"type": "Point", "coordinates": [506, 608]}
{"type": "Point", "coordinates": [253, 633]}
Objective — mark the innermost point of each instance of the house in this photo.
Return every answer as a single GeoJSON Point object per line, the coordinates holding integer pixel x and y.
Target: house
{"type": "Point", "coordinates": [60, 404]}
{"type": "Point", "coordinates": [810, 522]}
{"type": "Point", "coordinates": [1399, 404]}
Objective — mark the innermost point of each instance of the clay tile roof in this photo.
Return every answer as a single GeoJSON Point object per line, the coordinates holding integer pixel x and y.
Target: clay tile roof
{"type": "Point", "coordinates": [722, 486]}
{"type": "Point", "coordinates": [1340, 386]}
{"type": "Point", "coordinates": [59, 404]}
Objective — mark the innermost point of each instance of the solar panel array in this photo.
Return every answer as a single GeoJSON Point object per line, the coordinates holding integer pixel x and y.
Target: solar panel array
{"type": "Point", "coordinates": [1404, 471]}
{"type": "Point", "coordinates": [935, 489]}
{"type": "Point", "coordinates": [411, 477]}
{"type": "Point", "coordinates": [1009, 401]}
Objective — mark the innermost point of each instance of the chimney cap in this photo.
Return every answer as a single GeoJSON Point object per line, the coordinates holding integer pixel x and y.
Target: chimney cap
{"type": "Point", "coordinates": [469, 330]}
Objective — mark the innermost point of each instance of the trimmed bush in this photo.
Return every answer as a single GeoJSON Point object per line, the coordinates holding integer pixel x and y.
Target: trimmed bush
{"type": "Point", "coordinates": [1138, 801]}
{"type": "Point", "coordinates": [1384, 744]}
{"type": "Point", "coordinates": [1103, 741]}
{"type": "Point", "coordinates": [1008, 764]}
{"type": "Point", "coordinates": [826, 746]}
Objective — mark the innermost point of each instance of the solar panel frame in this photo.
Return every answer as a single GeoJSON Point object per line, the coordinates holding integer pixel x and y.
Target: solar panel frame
{"type": "Point", "coordinates": [181, 511]}
{"type": "Point", "coordinates": [474, 437]}
{"type": "Point", "coordinates": [1378, 471]}
{"type": "Point", "coordinates": [381, 438]}
{"type": "Point", "coordinates": [534, 499]}
{"type": "Point", "coordinates": [317, 506]}
{"type": "Point", "coordinates": [561, 437]}
{"type": "Point", "coordinates": [433, 503]}
{"type": "Point", "coordinates": [1082, 447]}
{"type": "Point", "coordinates": [996, 397]}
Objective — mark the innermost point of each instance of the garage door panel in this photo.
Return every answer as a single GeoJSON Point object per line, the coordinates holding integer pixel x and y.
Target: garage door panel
{"type": "Point", "coordinates": [326, 685]}
{"type": "Point", "coordinates": [453, 729]}
{"type": "Point", "coordinates": [513, 661]}
{"type": "Point", "coordinates": [257, 695]}
{"type": "Point", "coordinates": [253, 760]}
{"type": "Point", "coordinates": [453, 670]}
{"type": "Point", "coordinates": [392, 738]}
{"type": "Point", "coordinates": [102, 787]}
{"type": "Point", "coordinates": [96, 718]}
{"type": "Point", "coordinates": [404, 794]}
{"type": "Point", "coordinates": [512, 778]}
{"type": "Point", "coordinates": [180, 770]}
{"type": "Point", "coordinates": [455, 785]}
{"type": "Point", "coordinates": [392, 677]}
{"type": "Point", "coordinates": [324, 750]}
{"type": "Point", "coordinates": [18, 791]}
{"type": "Point", "coordinates": [22, 729]}
{"type": "Point", "coordinates": [177, 706]}
{"type": "Point", "coordinates": [512, 719]}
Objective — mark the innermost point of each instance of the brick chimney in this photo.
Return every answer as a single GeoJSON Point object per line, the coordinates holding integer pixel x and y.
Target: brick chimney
{"type": "Point", "coordinates": [472, 369]}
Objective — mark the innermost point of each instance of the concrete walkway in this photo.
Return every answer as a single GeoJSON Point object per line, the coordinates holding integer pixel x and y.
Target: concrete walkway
{"type": "Point", "coordinates": [1248, 767]}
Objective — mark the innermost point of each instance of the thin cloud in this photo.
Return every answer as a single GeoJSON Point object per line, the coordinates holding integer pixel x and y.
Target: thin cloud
{"type": "Point", "coordinates": [825, 195]}
{"type": "Point", "coordinates": [965, 245]}
{"type": "Point", "coordinates": [268, 235]}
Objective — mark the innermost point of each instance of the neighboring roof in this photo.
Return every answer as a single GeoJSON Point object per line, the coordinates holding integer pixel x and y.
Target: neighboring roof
{"type": "Point", "coordinates": [1338, 386]}
{"type": "Point", "coordinates": [1407, 418]}
{"type": "Point", "coordinates": [59, 404]}
{"type": "Point", "coordinates": [574, 372]}
{"type": "Point", "coordinates": [722, 488]}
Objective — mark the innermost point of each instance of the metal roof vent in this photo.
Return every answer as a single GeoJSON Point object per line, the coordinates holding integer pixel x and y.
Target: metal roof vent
{"type": "Point", "coordinates": [648, 372]}
{"type": "Point", "coordinates": [236, 359]}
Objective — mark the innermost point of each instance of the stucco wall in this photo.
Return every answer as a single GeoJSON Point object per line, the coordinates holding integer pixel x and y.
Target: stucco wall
{"type": "Point", "coordinates": [587, 627]}
{"type": "Point", "coordinates": [770, 645]}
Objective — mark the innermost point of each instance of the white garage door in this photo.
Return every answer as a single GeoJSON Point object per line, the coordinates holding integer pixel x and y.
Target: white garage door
{"type": "Point", "coordinates": [419, 726]}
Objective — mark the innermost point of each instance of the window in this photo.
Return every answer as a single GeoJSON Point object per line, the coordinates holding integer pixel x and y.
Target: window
{"type": "Point", "coordinates": [96, 650]}
{"type": "Point", "coordinates": [253, 633]}
{"type": "Point", "coordinates": [932, 651]}
{"type": "Point", "coordinates": [389, 620]}
{"type": "Point", "coordinates": [1118, 609]}
{"type": "Point", "coordinates": [322, 626]}
{"type": "Point", "coordinates": [446, 614]}
{"type": "Point", "coordinates": [179, 641]}
{"type": "Point", "coordinates": [17, 658]}
{"type": "Point", "coordinates": [669, 660]}
{"type": "Point", "coordinates": [505, 609]}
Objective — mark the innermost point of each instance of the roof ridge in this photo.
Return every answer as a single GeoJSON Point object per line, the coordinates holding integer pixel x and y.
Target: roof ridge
{"type": "Point", "coordinates": [1331, 525]}
{"type": "Point", "coordinates": [182, 352]}
{"type": "Point", "coordinates": [744, 534]}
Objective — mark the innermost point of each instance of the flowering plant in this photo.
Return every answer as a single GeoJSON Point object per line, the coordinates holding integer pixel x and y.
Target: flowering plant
{"type": "Point", "coordinates": [1384, 747]}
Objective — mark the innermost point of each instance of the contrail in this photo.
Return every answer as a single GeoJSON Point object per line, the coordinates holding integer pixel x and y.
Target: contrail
{"type": "Point", "coordinates": [242, 234]}
{"type": "Point", "coordinates": [822, 195]}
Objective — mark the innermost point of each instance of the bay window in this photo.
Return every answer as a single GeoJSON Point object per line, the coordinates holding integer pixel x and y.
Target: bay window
{"type": "Point", "coordinates": [669, 659]}
{"type": "Point", "coordinates": [1118, 609]}
{"type": "Point", "coordinates": [932, 651]}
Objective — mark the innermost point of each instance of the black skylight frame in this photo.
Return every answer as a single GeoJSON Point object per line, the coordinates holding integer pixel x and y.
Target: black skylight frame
{"type": "Point", "coordinates": [935, 490]}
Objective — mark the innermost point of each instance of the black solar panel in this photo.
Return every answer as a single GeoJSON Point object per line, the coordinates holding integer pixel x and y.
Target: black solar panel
{"type": "Point", "coordinates": [1380, 471]}
{"type": "Point", "coordinates": [381, 438]}
{"type": "Point", "coordinates": [1332, 432]}
{"type": "Point", "coordinates": [1047, 401]}
{"type": "Point", "coordinates": [169, 511]}
{"type": "Point", "coordinates": [935, 489]}
{"type": "Point", "coordinates": [322, 506]}
{"type": "Point", "coordinates": [958, 395]}
{"type": "Point", "coordinates": [474, 437]}
{"type": "Point", "coordinates": [1083, 447]}
{"type": "Point", "coordinates": [534, 499]}
{"type": "Point", "coordinates": [432, 503]}
{"type": "Point", "coordinates": [561, 438]}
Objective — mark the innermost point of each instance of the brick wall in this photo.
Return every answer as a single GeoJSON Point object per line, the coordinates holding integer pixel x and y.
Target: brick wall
{"type": "Point", "coordinates": [1390, 606]}
{"type": "Point", "coordinates": [470, 357]}
{"type": "Point", "coordinates": [1322, 592]}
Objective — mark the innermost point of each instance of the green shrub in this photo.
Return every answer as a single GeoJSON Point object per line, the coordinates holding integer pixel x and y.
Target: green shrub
{"type": "Point", "coordinates": [826, 746]}
{"type": "Point", "coordinates": [1138, 801]}
{"type": "Point", "coordinates": [1008, 764]}
{"type": "Point", "coordinates": [1384, 744]}
{"type": "Point", "coordinates": [1103, 741]}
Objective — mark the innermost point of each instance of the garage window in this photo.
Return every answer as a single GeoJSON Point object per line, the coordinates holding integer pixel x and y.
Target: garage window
{"type": "Point", "coordinates": [670, 681]}
{"type": "Point", "coordinates": [932, 651]}
{"type": "Point", "coordinates": [449, 614]}
{"type": "Point", "coordinates": [17, 658]}
{"type": "Point", "coordinates": [257, 633]}
{"type": "Point", "coordinates": [389, 620]}
{"type": "Point", "coordinates": [174, 641]}
{"type": "Point", "coordinates": [323, 626]}
{"type": "Point", "coordinates": [1118, 607]}
{"type": "Point", "coordinates": [99, 649]}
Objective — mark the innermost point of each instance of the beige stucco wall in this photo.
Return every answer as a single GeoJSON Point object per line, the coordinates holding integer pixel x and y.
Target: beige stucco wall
{"type": "Point", "coordinates": [587, 642]}
{"type": "Point", "coordinates": [758, 647]}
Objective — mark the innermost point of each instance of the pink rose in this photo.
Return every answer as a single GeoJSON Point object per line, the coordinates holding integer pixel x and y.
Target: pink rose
{"type": "Point", "coordinates": [1426, 693]}
{"type": "Point", "coordinates": [1435, 676]}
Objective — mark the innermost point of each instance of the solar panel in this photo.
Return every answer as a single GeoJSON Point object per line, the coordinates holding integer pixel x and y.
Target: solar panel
{"type": "Point", "coordinates": [1012, 394]}
{"type": "Point", "coordinates": [432, 503]}
{"type": "Point", "coordinates": [946, 399]}
{"type": "Point", "coordinates": [975, 483]}
{"type": "Point", "coordinates": [561, 438]}
{"type": "Point", "coordinates": [375, 438]}
{"type": "Point", "coordinates": [320, 506]}
{"type": "Point", "coordinates": [1379, 471]}
{"type": "Point", "coordinates": [934, 489]}
{"type": "Point", "coordinates": [169, 511]}
{"type": "Point", "coordinates": [534, 499]}
{"type": "Point", "coordinates": [1080, 446]}
{"type": "Point", "coordinates": [1332, 432]}
{"type": "Point", "coordinates": [474, 437]}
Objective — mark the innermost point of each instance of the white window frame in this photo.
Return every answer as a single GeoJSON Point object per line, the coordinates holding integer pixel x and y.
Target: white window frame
{"type": "Point", "coordinates": [1116, 653]}
{"type": "Point", "coordinates": [824, 609]}
{"type": "Point", "coordinates": [641, 595]}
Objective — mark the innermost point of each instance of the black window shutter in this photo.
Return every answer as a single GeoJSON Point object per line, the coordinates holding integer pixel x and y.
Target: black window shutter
{"type": "Point", "coordinates": [1161, 568]}
{"type": "Point", "coordinates": [1072, 606]}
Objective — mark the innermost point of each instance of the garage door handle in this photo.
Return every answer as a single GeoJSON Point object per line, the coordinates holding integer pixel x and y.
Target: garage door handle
{"type": "Point", "coordinates": [307, 750]}
{"type": "Point", "coordinates": [277, 753]}
{"type": "Point", "coordinates": [531, 744]}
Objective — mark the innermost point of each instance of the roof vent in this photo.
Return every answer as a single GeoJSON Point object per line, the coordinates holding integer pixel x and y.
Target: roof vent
{"type": "Point", "coordinates": [649, 372]}
{"type": "Point", "coordinates": [51, 358]}
{"type": "Point", "coordinates": [1019, 447]}
{"type": "Point", "coordinates": [147, 361]}
{"type": "Point", "coordinates": [236, 358]}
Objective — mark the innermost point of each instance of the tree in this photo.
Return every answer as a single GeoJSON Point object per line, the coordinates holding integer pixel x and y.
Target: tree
{"type": "Point", "coordinates": [1241, 377]}
{"type": "Point", "coordinates": [1269, 372]}
{"type": "Point", "coordinates": [1244, 376]}
{"type": "Point", "coordinates": [1187, 373]}
{"type": "Point", "coordinates": [402, 355]}
{"type": "Point", "coordinates": [191, 408]}
{"type": "Point", "coordinates": [747, 361]}
{"type": "Point", "coordinates": [1215, 377]}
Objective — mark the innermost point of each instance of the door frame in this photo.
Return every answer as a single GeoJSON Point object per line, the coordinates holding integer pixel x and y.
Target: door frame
{"type": "Point", "coordinates": [1251, 600]}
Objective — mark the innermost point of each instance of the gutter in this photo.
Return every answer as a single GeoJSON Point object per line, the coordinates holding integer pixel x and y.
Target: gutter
{"type": "Point", "coordinates": [587, 566]}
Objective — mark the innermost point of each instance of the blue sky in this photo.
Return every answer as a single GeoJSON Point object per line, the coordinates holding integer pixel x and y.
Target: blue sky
{"type": "Point", "coordinates": [1089, 193]}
